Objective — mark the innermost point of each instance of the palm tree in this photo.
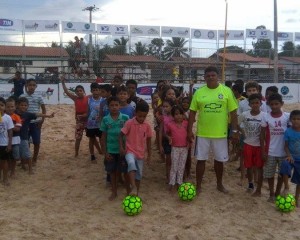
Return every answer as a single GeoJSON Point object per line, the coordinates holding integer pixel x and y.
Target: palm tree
{"type": "Point", "coordinates": [176, 48]}
{"type": "Point", "coordinates": [140, 49]}
{"type": "Point", "coordinates": [120, 46]}
{"type": "Point", "coordinates": [155, 47]}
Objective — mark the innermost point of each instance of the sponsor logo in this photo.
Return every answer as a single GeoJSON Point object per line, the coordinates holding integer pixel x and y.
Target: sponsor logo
{"type": "Point", "coordinates": [264, 33]}
{"type": "Point", "coordinates": [283, 35]}
{"type": "Point", "coordinates": [284, 90]}
{"type": "Point", "coordinates": [220, 96]}
{"type": "Point", "coordinates": [105, 28]}
{"type": "Point", "coordinates": [252, 33]}
{"type": "Point", "coordinates": [145, 90]}
{"type": "Point", "coordinates": [32, 26]}
{"type": "Point", "coordinates": [6, 23]}
{"type": "Point", "coordinates": [185, 32]}
{"type": "Point", "coordinates": [211, 34]}
{"type": "Point", "coordinates": [153, 31]}
{"type": "Point", "coordinates": [213, 106]}
{"type": "Point", "coordinates": [222, 35]}
{"type": "Point", "coordinates": [167, 31]}
{"type": "Point", "coordinates": [241, 34]}
{"type": "Point", "coordinates": [136, 30]}
{"type": "Point", "coordinates": [87, 26]}
{"type": "Point", "coordinates": [51, 26]}
{"type": "Point", "coordinates": [69, 25]}
{"type": "Point", "coordinates": [197, 34]}
{"type": "Point", "coordinates": [120, 29]}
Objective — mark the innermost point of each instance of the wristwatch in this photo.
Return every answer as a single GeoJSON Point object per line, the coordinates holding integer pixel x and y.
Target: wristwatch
{"type": "Point", "coordinates": [235, 131]}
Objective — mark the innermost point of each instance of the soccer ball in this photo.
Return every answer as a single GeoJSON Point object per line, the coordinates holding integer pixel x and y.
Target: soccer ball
{"type": "Point", "coordinates": [132, 205]}
{"type": "Point", "coordinates": [187, 191]}
{"type": "Point", "coordinates": [286, 204]}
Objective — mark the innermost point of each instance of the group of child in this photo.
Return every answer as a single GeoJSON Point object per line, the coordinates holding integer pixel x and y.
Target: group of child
{"type": "Point", "coordinates": [19, 120]}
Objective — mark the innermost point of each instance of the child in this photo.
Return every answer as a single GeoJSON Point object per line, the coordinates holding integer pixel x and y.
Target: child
{"type": "Point", "coordinates": [131, 86]}
{"type": "Point", "coordinates": [275, 123]}
{"type": "Point", "coordinates": [269, 91]}
{"type": "Point", "coordinates": [138, 139]}
{"type": "Point", "coordinates": [177, 135]}
{"type": "Point", "coordinates": [35, 104]}
{"type": "Point", "coordinates": [105, 93]}
{"type": "Point", "coordinates": [93, 121]}
{"type": "Point", "coordinates": [237, 90]}
{"type": "Point", "coordinates": [292, 149]}
{"type": "Point", "coordinates": [164, 146]}
{"type": "Point", "coordinates": [15, 156]}
{"type": "Point", "coordinates": [154, 104]}
{"type": "Point", "coordinates": [81, 106]}
{"type": "Point", "coordinates": [111, 127]}
{"type": "Point", "coordinates": [6, 133]}
{"type": "Point", "coordinates": [250, 125]}
{"type": "Point", "coordinates": [116, 83]}
{"type": "Point", "coordinates": [123, 96]}
{"type": "Point", "coordinates": [26, 117]}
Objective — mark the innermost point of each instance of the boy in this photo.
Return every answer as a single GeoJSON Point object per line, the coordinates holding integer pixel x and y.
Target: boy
{"type": "Point", "coordinates": [123, 96]}
{"type": "Point", "coordinates": [269, 91]}
{"type": "Point", "coordinates": [35, 104]}
{"type": "Point", "coordinates": [15, 156]}
{"type": "Point", "coordinates": [111, 128]}
{"type": "Point", "coordinates": [93, 121]}
{"type": "Point", "coordinates": [238, 91]}
{"type": "Point", "coordinates": [6, 133]}
{"type": "Point", "coordinates": [105, 93]}
{"type": "Point", "coordinates": [131, 86]}
{"type": "Point", "coordinates": [292, 149]}
{"type": "Point", "coordinates": [116, 83]}
{"type": "Point", "coordinates": [273, 125]}
{"type": "Point", "coordinates": [250, 125]}
{"type": "Point", "coordinates": [26, 117]}
{"type": "Point", "coordinates": [138, 138]}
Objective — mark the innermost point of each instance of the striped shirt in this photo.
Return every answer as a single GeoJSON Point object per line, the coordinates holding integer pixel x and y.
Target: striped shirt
{"type": "Point", "coordinates": [35, 102]}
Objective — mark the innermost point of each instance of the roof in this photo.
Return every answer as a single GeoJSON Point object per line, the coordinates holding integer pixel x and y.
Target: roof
{"type": "Point", "coordinates": [16, 51]}
{"type": "Point", "coordinates": [238, 57]}
{"type": "Point", "coordinates": [291, 59]}
{"type": "Point", "coordinates": [130, 58]}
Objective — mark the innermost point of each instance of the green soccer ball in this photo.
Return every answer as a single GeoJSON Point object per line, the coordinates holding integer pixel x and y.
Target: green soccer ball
{"type": "Point", "coordinates": [187, 191]}
{"type": "Point", "coordinates": [285, 204]}
{"type": "Point", "coordinates": [132, 205]}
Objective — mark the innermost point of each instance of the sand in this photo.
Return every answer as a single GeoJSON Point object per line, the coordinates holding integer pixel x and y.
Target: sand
{"type": "Point", "coordinates": [67, 198]}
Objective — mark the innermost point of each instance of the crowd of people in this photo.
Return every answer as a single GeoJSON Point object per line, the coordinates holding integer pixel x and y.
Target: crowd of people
{"type": "Point", "coordinates": [252, 127]}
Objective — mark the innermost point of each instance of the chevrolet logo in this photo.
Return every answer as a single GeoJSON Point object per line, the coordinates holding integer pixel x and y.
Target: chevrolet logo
{"type": "Point", "coordinates": [213, 106]}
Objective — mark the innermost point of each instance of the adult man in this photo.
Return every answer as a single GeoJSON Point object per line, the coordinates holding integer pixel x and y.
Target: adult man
{"type": "Point", "coordinates": [84, 68]}
{"type": "Point", "coordinates": [213, 102]}
{"type": "Point", "coordinates": [19, 84]}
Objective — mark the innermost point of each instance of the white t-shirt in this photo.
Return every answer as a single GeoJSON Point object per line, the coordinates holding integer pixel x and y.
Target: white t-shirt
{"type": "Point", "coordinates": [276, 128]}
{"type": "Point", "coordinates": [244, 106]}
{"type": "Point", "coordinates": [84, 66]}
{"type": "Point", "coordinates": [251, 126]}
{"type": "Point", "coordinates": [5, 125]}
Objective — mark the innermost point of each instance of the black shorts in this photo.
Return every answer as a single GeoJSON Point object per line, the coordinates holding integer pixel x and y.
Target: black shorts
{"type": "Point", "coordinates": [94, 132]}
{"type": "Point", "coordinates": [166, 146]}
{"type": "Point", "coordinates": [4, 155]}
{"type": "Point", "coordinates": [118, 163]}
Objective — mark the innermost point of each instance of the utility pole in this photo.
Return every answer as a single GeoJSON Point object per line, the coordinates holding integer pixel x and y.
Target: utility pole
{"type": "Point", "coordinates": [275, 43]}
{"type": "Point", "coordinates": [224, 49]}
{"type": "Point", "coordinates": [91, 9]}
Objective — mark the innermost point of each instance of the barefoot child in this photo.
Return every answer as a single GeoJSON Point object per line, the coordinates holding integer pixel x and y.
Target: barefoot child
{"type": "Point", "coordinates": [138, 139]}
{"type": "Point", "coordinates": [111, 126]}
{"type": "Point", "coordinates": [273, 125]}
{"type": "Point", "coordinates": [126, 108]}
{"type": "Point", "coordinates": [26, 117]}
{"type": "Point", "coordinates": [81, 105]}
{"type": "Point", "coordinates": [176, 131]}
{"type": "Point", "coordinates": [6, 133]}
{"type": "Point", "coordinates": [292, 149]}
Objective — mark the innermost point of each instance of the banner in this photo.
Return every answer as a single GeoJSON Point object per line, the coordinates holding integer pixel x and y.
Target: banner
{"type": "Point", "coordinates": [259, 34]}
{"type": "Point", "coordinates": [297, 36]}
{"type": "Point", "coordinates": [115, 30]}
{"type": "Point", "coordinates": [175, 32]}
{"type": "Point", "coordinates": [78, 27]}
{"type": "Point", "coordinates": [204, 34]}
{"type": "Point", "coordinates": [41, 26]}
{"type": "Point", "coordinates": [285, 36]}
{"type": "Point", "coordinates": [231, 34]}
{"type": "Point", "coordinates": [136, 30]}
{"type": "Point", "coordinates": [10, 25]}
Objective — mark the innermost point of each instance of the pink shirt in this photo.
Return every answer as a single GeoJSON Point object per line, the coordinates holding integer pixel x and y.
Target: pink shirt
{"type": "Point", "coordinates": [177, 133]}
{"type": "Point", "coordinates": [166, 120]}
{"type": "Point", "coordinates": [136, 135]}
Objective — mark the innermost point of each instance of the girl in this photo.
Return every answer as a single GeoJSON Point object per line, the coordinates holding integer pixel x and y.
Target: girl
{"type": "Point", "coordinates": [177, 135]}
{"type": "Point", "coordinates": [81, 106]}
{"type": "Point", "coordinates": [164, 145]}
{"type": "Point", "coordinates": [154, 104]}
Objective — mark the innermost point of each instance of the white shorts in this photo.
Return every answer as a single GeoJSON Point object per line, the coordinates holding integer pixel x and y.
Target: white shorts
{"type": "Point", "coordinates": [218, 146]}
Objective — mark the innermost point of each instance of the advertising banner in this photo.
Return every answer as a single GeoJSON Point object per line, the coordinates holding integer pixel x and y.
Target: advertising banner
{"type": "Point", "coordinates": [182, 32]}
{"type": "Point", "coordinates": [259, 34]}
{"type": "Point", "coordinates": [41, 26]}
{"type": "Point", "coordinates": [10, 24]}
{"type": "Point", "coordinates": [297, 36]}
{"type": "Point", "coordinates": [285, 36]}
{"type": "Point", "coordinates": [137, 30]}
{"type": "Point", "coordinates": [115, 30]}
{"type": "Point", "coordinates": [231, 34]}
{"type": "Point", "coordinates": [203, 34]}
{"type": "Point", "coordinates": [77, 27]}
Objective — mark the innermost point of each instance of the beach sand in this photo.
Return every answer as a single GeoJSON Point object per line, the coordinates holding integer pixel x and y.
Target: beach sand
{"type": "Point", "coordinates": [67, 198]}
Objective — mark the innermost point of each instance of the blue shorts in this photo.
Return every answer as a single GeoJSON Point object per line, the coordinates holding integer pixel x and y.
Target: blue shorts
{"type": "Point", "coordinates": [135, 164]}
{"type": "Point", "coordinates": [25, 153]}
{"type": "Point", "coordinates": [118, 163]}
{"type": "Point", "coordinates": [35, 133]}
{"type": "Point", "coordinates": [286, 169]}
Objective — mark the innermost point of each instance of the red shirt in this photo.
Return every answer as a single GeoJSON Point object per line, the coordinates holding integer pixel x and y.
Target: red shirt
{"type": "Point", "coordinates": [81, 105]}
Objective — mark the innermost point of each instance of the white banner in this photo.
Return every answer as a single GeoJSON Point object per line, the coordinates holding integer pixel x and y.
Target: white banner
{"type": "Point", "coordinates": [204, 34]}
{"type": "Point", "coordinates": [285, 36]}
{"type": "Point", "coordinates": [10, 25]}
{"type": "Point", "coordinates": [137, 30]}
{"type": "Point", "coordinates": [259, 34]}
{"type": "Point", "coordinates": [115, 30]}
{"type": "Point", "coordinates": [231, 34]}
{"type": "Point", "coordinates": [297, 36]}
{"type": "Point", "coordinates": [182, 32]}
{"type": "Point", "coordinates": [41, 26]}
{"type": "Point", "coordinates": [78, 27]}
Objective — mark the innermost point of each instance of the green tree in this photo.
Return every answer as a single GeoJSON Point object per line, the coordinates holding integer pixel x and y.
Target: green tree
{"type": "Point", "coordinates": [288, 49]}
{"type": "Point", "coordinates": [232, 49]}
{"type": "Point", "coordinates": [140, 49]}
{"type": "Point", "coordinates": [54, 44]}
{"type": "Point", "coordinates": [175, 48]}
{"type": "Point", "coordinates": [156, 46]}
{"type": "Point", "coordinates": [120, 46]}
